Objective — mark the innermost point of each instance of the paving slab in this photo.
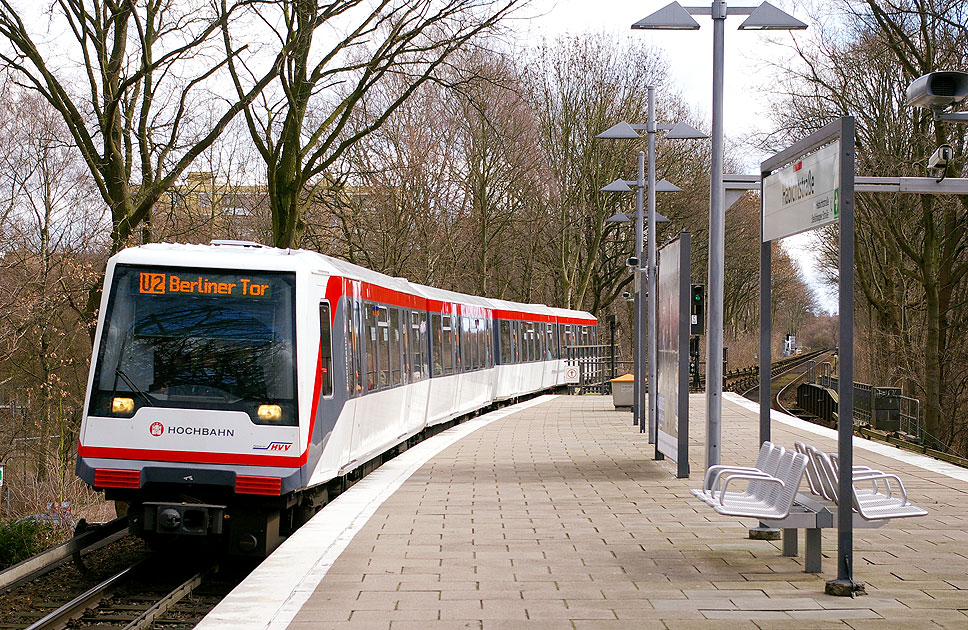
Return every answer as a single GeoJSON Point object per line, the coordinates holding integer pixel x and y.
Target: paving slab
{"type": "Point", "coordinates": [558, 516]}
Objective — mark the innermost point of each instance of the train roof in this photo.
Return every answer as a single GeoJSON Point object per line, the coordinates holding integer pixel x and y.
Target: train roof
{"type": "Point", "coordinates": [243, 254]}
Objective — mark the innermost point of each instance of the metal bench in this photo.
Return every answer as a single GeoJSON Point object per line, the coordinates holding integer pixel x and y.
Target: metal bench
{"type": "Point", "coordinates": [885, 498]}
{"type": "Point", "coordinates": [772, 496]}
{"type": "Point", "coordinates": [873, 505]}
{"type": "Point", "coordinates": [766, 495]}
{"type": "Point", "coordinates": [766, 464]}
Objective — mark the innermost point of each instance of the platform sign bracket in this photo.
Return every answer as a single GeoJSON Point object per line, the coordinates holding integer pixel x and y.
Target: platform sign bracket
{"type": "Point", "coordinates": [794, 201]}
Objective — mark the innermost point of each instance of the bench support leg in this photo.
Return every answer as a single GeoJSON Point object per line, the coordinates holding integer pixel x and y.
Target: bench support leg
{"type": "Point", "coordinates": [790, 543]}
{"type": "Point", "coordinates": [813, 558]}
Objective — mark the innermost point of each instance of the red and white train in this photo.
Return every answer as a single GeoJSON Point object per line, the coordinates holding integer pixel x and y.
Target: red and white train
{"type": "Point", "coordinates": [235, 387]}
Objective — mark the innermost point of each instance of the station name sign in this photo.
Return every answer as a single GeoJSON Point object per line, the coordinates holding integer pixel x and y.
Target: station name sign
{"type": "Point", "coordinates": [802, 196]}
{"type": "Point", "coordinates": [208, 285]}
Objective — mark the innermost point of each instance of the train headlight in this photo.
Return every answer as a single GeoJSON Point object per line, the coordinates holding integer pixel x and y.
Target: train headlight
{"type": "Point", "coordinates": [122, 406]}
{"type": "Point", "coordinates": [269, 413]}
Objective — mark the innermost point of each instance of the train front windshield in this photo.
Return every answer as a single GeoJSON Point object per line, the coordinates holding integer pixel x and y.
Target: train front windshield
{"type": "Point", "coordinates": [198, 339]}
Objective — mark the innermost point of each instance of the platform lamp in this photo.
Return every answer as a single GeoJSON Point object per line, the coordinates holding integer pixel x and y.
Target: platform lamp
{"type": "Point", "coordinates": [676, 17]}
{"type": "Point", "coordinates": [677, 131]}
{"type": "Point", "coordinates": [638, 309]}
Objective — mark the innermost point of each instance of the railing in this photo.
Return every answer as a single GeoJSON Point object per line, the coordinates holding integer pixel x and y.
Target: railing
{"type": "Point", "coordinates": [911, 416]}
{"type": "Point", "coordinates": [597, 365]}
{"type": "Point", "coordinates": [877, 404]}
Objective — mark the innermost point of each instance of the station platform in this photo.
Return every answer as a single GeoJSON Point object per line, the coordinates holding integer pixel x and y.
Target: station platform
{"type": "Point", "coordinates": [553, 514]}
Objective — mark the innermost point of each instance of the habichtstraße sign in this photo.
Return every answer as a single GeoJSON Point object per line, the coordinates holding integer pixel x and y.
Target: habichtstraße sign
{"type": "Point", "coordinates": [803, 195]}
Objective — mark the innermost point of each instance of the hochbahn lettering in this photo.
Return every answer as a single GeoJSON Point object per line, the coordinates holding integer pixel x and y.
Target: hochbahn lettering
{"type": "Point", "coordinates": [202, 431]}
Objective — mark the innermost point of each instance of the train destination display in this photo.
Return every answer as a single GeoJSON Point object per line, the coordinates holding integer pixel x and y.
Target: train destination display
{"type": "Point", "coordinates": [222, 284]}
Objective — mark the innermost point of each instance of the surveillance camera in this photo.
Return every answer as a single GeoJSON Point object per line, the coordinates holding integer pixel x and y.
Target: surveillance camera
{"type": "Point", "coordinates": [632, 261]}
{"type": "Point", "coordinates": [626, 295]}
{"type": "Point", "coordinates": [940, 158]}
{"type": "Point", "coordinates": [938, 90]}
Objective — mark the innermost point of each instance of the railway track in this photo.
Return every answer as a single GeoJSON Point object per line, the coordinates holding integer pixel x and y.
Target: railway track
{"type": "Point", "coordinates": [745, 380]}
{"type": "Point", "coordinates": [106, 578]}
{"type": "Point", "coordinates": [780, 374]}
{"type": "Point", "coordinates": [785, 378]}
{"type": "Point", "coordinates": [87, 539]}
{"type": "Point", "coordinates": [143, 594]}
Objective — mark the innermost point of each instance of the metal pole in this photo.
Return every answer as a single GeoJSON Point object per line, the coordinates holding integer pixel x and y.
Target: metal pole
{"type": "Point", "coordinates": [640, 356]}
{"type": "Point", "coordinates": [653, 329]}
{"type": "Point", "coordinates": [766, 332]}
{"type": "Point", "coordinates": [717, 250]}
{"type": "Point", "coordinates": [845, 384]}
{"type": "Point", "coordinates": [611, 349]}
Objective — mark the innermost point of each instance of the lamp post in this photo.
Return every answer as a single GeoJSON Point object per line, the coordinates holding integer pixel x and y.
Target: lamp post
{"type": "Point", "coordinates": [676, 17]}
{"type": "Point", "coordinates": [638, 306]}
{"type": "Point", "coordinates": [680, 131]}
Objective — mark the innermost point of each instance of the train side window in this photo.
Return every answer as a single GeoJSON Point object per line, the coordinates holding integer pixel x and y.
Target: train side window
{"type": "Point", "coordinates": [418, 345]}
{"type": "Point", "coordinates": [504, 339]}
{"type": "Point", "coordinates": [370, 312]}
{"type": "Point", "coordinates": [438, 344]}
{"type": "Point", "coordinates": [325, 350]}
{"type": "Point", "coordinates": [515, 342]}
{"type": "Point", "coordinates": [352, 365]}
{"type": "Point", "coordinates": [385, 348]}
{"type": "Point", "coordinates": [480, 353]}
{"type": "Point", "coordinates": [396, 348]}
{"type": "Point", "coordinates": [555, 341]}
{"type": "Point", "coordinates": [447, 343]}
{"type": "Point", "coordinates": [406, 368]}
{"type": "Point", "coordinates": [463, 348]}
{"type": "Point", "coordinates": [469, 343]}
{"type": "Point", "coordinates": [491, 350]}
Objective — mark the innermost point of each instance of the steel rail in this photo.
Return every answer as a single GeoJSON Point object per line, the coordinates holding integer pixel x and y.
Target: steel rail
{"type": "Point", "coordinates": [789, 369]}
{"type": "Point", "coordinates": [147, 618]}
{"type": "Point", "coordinates": [57, 618]}
{"type": "Point", "coordinates": [36, 566]}
{"type": "Point", "coordinates": [776, 399]}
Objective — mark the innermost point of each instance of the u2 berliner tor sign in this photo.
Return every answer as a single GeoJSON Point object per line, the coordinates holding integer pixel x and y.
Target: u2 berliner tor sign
{"type": "Point", "coordinates": [803, 195]}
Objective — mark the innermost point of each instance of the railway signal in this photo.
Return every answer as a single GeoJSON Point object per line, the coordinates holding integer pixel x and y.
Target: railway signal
{"type": "Point", "coordinates": [697, 309]}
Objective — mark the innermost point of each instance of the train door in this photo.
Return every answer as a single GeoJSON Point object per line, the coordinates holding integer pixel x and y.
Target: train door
{"type": "Point", "coordinates": [414, 324]}
{"type": "Point", "coordinates": [355, 378]}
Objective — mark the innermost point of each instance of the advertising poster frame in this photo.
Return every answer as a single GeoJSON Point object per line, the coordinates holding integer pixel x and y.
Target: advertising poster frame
{"type": "Point", "coordinates": [672, 368]}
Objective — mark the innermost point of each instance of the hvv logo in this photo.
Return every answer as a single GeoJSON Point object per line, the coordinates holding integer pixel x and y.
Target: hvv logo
{"type": "Point", "coordinates": [274, 446]}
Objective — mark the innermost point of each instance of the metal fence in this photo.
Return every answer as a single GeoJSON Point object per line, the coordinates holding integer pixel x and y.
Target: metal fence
{"type": "Point", "coordinates": [881, 407]}
{"type": "Point", "coordinates": [597, 365]}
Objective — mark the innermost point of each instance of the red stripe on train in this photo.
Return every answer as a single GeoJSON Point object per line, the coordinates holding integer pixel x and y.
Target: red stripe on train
{"type": "Point", "coordinates": [186, 457]}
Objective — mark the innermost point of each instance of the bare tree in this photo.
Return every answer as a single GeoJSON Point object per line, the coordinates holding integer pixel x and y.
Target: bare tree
{"type": "Point", "coordinates": [580, 87]}
{"type": "Point", "coordinates": [398, 201]}
{"type": "Point", "coordinates": [910, 251]}
{"type": "Point", "coordinates": [321, 105]}
{"type": "Point", "coordinates": [127, 79]}
{"type": "Point", "coordinates": [54, 220]}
